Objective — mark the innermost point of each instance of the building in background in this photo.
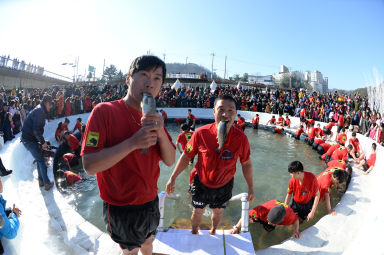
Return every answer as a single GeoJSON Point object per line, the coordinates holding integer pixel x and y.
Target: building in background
{"type": "Point", "coordinates": [318, 83]}
{"type": "Point", "coordinates": [263, 79]}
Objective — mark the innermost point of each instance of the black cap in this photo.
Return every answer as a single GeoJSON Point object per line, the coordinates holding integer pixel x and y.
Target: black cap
{"type": "Point", "coordinates": [276, 214]}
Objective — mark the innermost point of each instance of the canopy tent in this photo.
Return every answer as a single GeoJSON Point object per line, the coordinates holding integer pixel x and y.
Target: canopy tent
{"type": "Point", "coordinates": [177, 84]}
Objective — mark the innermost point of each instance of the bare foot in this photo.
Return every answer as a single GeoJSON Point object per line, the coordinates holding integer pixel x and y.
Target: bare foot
{"type": "Point", "coordinates": [212, 231]}
{"type": "Point", "coordinates": [195, 231]}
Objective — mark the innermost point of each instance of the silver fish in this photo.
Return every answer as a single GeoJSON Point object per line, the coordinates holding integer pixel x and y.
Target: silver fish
{"type": "Point", "coordinates": [148, 105]}
{"type": "Point", "coordinates": [221, 134]}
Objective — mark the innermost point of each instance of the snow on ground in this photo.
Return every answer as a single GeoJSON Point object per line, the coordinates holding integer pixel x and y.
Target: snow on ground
{"type": "Point", "coordinates": [50, 226]}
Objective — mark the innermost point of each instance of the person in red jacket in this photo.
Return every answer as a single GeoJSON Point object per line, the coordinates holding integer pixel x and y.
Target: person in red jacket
{"type": "Point", "coordinates": [287, 122]}
{"type": "Point", "coordinates": [270, 214]}
{"type": "Point", "coordinates": [255, 121]}
{"type": "Point", "coordinates": [272, 121]}
{"type": "Point", "coordinates": [342, 137]}
{"type": "Point", "coordinates": [304, 189]}
{"type": "Point", "coordinates": [328, 129]}
{"type": "Point", "coordinates": [280, 120]}
{"type": "Point", "coordinates": [298, 132]}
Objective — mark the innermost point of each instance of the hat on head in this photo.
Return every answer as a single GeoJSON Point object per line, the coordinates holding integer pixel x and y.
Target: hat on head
{"type": "Point", "coordinates": [276, 214]}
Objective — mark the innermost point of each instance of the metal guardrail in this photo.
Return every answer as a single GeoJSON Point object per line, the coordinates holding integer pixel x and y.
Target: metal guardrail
{"type": "Point", "coordinates": [243, 197]}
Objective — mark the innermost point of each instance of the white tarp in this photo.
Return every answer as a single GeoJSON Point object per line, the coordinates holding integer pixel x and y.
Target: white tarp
{"type": "Point", "coordinates": [177, 84]}
{"type": "Point", "coordinates": [238, 85]}
{"type": "Point", "coordinates": [213, 85]}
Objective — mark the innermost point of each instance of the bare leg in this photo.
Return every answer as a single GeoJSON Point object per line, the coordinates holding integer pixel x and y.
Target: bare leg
{"type": "Point", "coordinates": [146, 247]}
{"type": "Point", "coordinates": [217, 215]}
{"type": "Point", "coordinates": [197, 216]}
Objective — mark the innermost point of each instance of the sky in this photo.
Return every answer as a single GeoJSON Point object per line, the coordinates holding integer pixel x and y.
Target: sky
{"type": "Point", "coordinates": [343, 39]}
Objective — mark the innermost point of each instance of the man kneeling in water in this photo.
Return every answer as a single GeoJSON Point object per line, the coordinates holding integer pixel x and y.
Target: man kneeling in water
{"type": "Point", "coordinates": [270, 214]}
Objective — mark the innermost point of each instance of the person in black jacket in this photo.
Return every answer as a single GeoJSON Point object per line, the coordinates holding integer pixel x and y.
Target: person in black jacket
{"type": "Point", "coordinates": [33, 140]}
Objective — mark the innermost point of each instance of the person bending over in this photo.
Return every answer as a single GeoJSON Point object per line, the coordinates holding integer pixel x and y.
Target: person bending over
{"type": "Point", "coordinates": [269, 215]}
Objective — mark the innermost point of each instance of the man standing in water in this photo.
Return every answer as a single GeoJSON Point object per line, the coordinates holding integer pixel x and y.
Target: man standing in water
{"type": "Point", "coordinates": [127, 178]}
{"type": "Point", "coordinates": [213, 182]}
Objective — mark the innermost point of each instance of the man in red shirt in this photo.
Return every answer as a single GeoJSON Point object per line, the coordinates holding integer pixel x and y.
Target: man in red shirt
{"type": "Point", "coordinates": [369, 164]}
{"type": "Point", "coordinates": [356, 146]}
{"type": "Point", "coordinates": [342, 138]}
{"type": "Point", "coordinates": [272, 121]}
{"type": "Point", "coordinates": [304, 189]}
{"type": "Point", "coordinates": [280, 120]}
{"type": "Point", "coordinates": [270, 214]}
{"type": "Point", "coordinates": [127, 178]}
{"type": "Point", "coordinates": [340, 122]}
{"type": "Point", "coordinates": [331, 177]}
{"type": "Point", "coordinates": [287, 122]}
{"type": "Point", "coordinates": [255, 121]}
{"type": "Point", "coordinates": [78, 125]}
{"type": "Point", "coordinates": [342, 153]}
{"type": "Point", "coordinates": [311, 134]}
{"type": "Point", "coordinates": [241, 122]}
{"type": "Point", "coordinates": [190, 120]}
{"type": "Point", "coordinates": [213, 181]}
{"type": "Point", "coordinates": [72, 142]}
{"type": "Point", "coordinates": [298, 132]}
{"type": "Point", "coordinates": [328, 129]}
{"type": "Point", "coordinates": [183, 138]}
{"type": "Point", "coordinates": [164, 114]}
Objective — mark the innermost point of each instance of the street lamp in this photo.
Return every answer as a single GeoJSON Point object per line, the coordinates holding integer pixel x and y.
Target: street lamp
{"type": "Point", "coordinates": [74, 69]}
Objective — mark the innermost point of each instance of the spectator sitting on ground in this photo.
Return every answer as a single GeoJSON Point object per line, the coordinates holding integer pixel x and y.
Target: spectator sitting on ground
{"type": "Point", "coordinates": [369, 164]}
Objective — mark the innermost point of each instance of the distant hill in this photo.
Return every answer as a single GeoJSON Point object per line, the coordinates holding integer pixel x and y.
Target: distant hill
{"type": "Point", "coordinates": [362, 91]}
{"type": "Point", "coordinates": [191, 68]}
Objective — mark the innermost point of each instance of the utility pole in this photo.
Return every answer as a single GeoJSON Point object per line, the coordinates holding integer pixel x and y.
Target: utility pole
{"type": "Point", "coordinates": [164, 57]}
{"type": "Point", "coordinates": [225, 67]}
{"type": "Point", "coordinates": [213, 55]}
{"type": "Point", "coordinates": [186, 65]}
{"type": "Point", "coordinates": [103, 68]}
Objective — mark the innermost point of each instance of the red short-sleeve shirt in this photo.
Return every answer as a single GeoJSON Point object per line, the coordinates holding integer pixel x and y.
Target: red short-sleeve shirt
{"type": "Point", "coordinates": [261, 212]}
{"type": "Point", "coordinates": [337, 163]}
{"type": "Point", "coordinates": [340, 154]}
{"type": "Point", "coordinates": [133, 180]}
{"type": "Point", "coordinates": [372, 160]}
{"type": "Point", "coordinates": [217, 169]}
{"type": "Point", "coordinates": [355, 143]}
{"type": "Point", "coordinates": [325, 181]}
{"type": "Point", "coordinates": [304, 192]}
{"type": "Point", "coordinates": [73, 142]}
{"type": "Point", "coordinates": [183, 138]}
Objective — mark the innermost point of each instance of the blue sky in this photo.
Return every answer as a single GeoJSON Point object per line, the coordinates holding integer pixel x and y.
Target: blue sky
{"type": "Point", "coordinates": [342, 39]}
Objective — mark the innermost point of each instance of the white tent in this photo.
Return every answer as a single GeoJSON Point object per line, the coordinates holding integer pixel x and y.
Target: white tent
{"type": "Point", "coordinates": [238, 85]}
{"type": "Point", "coordinates": [213, 85]}
{"type": "Point", "coordinates": [177, 84]}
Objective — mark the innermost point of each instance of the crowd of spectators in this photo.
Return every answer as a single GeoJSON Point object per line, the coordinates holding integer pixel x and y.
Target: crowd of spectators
{"type": "Point", "coordinates": [21, 65]}
{"type": "Point", "coordinates": [15, 104]}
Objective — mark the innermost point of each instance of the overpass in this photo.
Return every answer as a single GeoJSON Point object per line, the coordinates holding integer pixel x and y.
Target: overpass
{"type": "Point", "coordinates": [14, 78]}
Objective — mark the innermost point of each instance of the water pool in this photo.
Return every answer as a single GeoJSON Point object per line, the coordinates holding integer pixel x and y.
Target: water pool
{"type": "Point", "coordinates": [270, 154]}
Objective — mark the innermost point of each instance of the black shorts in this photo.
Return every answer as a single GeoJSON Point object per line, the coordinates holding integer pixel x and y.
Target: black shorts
{"type": "Point", "coordinates": [302, 210]}
{"type": "Point", "coordinates": [131, 225]}
{"type": "Point", "coordinates": [365, 167]}
{"type": "Point", "coordinates": [327, 131]}
{"type": "Point", "coordinates": [302, 119]}
{"type": "Point", "coordinates": [215, 198]}
{"type": "Point", "coordinates": [339, 128]}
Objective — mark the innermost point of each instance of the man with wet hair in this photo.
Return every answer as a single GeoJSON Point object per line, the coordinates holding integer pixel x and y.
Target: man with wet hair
{"type": "Point", "coordinates": [127, 178]}
{"type": "Point", "coordinates": [369, 164]}
{"type": "Point", "coordinates": [215, 168]}
{"type": "Point", "coordinates": [304, 189]}
{"type": "Point", "coordinates": [269, 215]}
{"type": "Point", "coordinates": [331, 177]}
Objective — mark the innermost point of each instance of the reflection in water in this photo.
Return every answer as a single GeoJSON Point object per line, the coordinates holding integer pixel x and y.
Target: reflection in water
{"type": "Point", "coordinates": [270, 154]}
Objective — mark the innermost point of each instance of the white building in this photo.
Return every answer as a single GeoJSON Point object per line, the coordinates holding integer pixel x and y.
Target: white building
{"type": "Point", "coordinates": [319, 83]}
{"type": "Point", "coordinates": [283, 69]}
